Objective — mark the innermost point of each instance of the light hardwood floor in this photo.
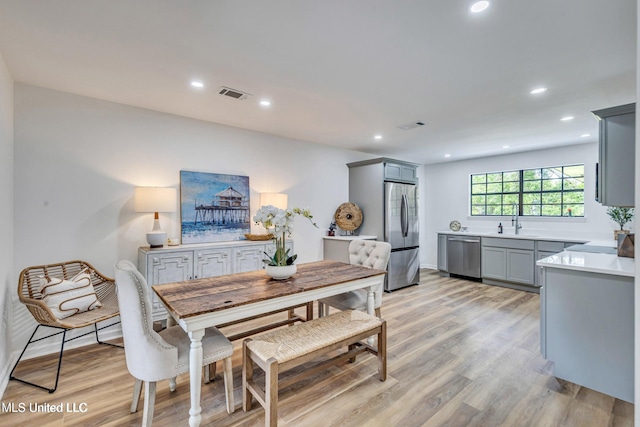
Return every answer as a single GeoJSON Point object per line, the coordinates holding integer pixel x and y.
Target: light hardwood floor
{"type": "Point", "coordinates": [459, 354]}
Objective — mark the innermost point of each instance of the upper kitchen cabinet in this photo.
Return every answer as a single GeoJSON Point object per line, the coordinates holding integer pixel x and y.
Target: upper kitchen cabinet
{"type": "Point", "coordinates": [400, 172]}
{"type": "Point", "coordinates": [616, 167]}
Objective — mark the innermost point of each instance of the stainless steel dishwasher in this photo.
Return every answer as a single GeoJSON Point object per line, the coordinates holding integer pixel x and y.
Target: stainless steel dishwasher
{"type": "Point", "coordinates": [463, 255]}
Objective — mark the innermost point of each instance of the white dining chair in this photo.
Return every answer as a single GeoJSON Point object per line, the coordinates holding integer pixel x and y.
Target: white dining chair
{"type": "Point", "coordinates": [368, 253]}
{"type": "Point", "coordinates": [153, 356]}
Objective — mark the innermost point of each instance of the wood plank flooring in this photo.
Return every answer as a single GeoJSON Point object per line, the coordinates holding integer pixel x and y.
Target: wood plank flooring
{"type": "Point", "coordinates": [460, 353]}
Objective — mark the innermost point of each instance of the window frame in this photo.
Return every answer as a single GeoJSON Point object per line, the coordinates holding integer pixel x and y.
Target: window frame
{"type": "Point", "coordinates": [567, 209]}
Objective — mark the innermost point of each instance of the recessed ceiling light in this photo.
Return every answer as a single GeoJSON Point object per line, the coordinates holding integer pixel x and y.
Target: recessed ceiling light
{"type": "Point", "coordinates": [584, 135]}
{"type": "Point", "coordinates": [197, 84]}
{"type": "Point", "coordinates": [567, 118]}
{"type": "Point", "coordinates": [538, 90]}
{"type": "Point", "coordinates": [265, 103]}
{"type": "Point", "coordinates": [447, 155]}
{"type": "Point", "coordinates": [505, 146]}
{"type": "Point", "coordinates": [377, 137]}
{"type": "Point", "coordinates": [479, 6]}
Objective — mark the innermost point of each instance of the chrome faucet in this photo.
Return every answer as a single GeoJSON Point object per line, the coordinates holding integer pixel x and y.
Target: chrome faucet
{"type": "Point", "coordinates": [514, 218]}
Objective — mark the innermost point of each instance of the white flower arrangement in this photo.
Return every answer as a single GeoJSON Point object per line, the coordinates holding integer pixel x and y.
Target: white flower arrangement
{"type": "Point", "coordinates": [279, 222]}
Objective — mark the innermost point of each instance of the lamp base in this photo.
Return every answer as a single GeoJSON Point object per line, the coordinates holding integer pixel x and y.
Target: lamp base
{"type": "Point", "coordinates": [156, 239]}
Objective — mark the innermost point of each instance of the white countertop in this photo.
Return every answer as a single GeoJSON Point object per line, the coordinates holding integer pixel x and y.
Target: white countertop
{"type": "Point", "coordinates": [524, 236]}
{"type": "Point", "coordinates": [592, 262]}
{"type": "Point", "coordinates": [360, 237]}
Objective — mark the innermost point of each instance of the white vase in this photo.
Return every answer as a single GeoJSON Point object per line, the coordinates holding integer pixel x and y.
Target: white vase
{"type": "Point", "coordinates": [278, 272]}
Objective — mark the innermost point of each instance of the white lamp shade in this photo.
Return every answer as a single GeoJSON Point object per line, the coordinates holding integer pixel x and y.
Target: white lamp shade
{"type": "Point", "coordinates": [279, 200]}
{"type": "Point", "coordinates": [155, 199]}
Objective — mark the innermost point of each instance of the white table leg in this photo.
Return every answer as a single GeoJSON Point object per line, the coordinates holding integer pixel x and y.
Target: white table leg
{"type": "Point", "coordinates": [195, 376]}
{"type": "Point", "coordinates": [371, 299]}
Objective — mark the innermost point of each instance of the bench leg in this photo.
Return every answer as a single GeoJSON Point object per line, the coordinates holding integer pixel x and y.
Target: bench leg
{"type": "Point", "coordinates": [247, 375]}
{"type": "Point", "coordinates": [271, 393]}
{"type": "Point", "coordinates": [228, 384]}
{"type": "Point", "coordinates": [352, 347]}
{"type": "Point", "coordinates": [309, 311]}
{"type": "Point", "coordinates": [382, 352]}
{"type": "Point", "coordinates": [209, 373]}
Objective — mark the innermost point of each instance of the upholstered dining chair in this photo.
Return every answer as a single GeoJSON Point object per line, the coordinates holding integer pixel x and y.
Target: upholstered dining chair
{"type": "Point", "coordinates": [153, 356]}
{"type": "Point", "coordinates": [369, 253]}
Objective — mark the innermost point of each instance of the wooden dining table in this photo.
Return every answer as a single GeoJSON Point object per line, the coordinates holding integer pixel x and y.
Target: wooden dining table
{"type": "Point", "coordinates": [212, 301]}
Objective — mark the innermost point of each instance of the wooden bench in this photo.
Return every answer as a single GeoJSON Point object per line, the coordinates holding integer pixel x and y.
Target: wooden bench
{"type": "Point", "coordinates": [279, 350]}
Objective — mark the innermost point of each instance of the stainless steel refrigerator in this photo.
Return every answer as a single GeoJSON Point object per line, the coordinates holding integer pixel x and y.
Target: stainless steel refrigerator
{"type": "Point", "coordinates": [386, 190]}
{"type": "Point", "coordinates": [401, 230]}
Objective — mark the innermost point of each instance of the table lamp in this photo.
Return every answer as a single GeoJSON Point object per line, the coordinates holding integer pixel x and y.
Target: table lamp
{"type": "Point", "coordinates": [279, 200]}
{"type": "Point", "coordinates": [155, 199]}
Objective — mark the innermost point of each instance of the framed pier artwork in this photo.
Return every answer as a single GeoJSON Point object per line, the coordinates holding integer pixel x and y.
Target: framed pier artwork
{"type": "Point", "coordinates": [213, 207]}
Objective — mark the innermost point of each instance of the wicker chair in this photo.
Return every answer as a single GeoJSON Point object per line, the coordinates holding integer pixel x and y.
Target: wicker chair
{"type": "Point", "coordinates": [29, 294]}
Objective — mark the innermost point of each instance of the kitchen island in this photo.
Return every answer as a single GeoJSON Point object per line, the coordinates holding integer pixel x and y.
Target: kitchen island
{"type": "Point", "coordinates": [587, 320]}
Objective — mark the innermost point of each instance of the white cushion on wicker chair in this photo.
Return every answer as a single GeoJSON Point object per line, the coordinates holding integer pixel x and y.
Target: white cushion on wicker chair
{"type": "Point", "coordinates": [368, 253]}
{"type": "Point", "coordinates": [68, 297]}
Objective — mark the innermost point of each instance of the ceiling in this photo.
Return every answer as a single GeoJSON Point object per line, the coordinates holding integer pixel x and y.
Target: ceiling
{"type": "Point", "coordinates": [339, 72]}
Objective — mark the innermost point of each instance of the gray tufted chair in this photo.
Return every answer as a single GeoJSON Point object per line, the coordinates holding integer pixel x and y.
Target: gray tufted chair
{"type": "Point", "coordinates": [369, 253]}
{"type": "Point", "coordinates": [153, 356]}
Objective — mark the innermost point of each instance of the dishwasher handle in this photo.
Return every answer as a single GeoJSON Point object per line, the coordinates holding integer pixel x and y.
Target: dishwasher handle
{"type": "Point", "coordinates": [463, 239]}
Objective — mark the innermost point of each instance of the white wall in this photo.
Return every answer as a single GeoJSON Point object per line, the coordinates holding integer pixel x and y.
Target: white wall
{"type": "Point", "coordinates": [6, 219]}
{"type": "Point", "coordinates": [637, 248]}
{"type": "Point", "coordinates": [446, 198]}
{"type": "Point", "coordinates": [77, 161]}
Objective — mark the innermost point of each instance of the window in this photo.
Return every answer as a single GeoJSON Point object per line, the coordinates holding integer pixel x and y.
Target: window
{"type": "Point", "coordinates": [553, 191]}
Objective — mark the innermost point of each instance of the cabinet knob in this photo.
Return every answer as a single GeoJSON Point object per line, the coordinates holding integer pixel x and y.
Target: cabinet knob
{"type": "Point", "coordinates": [186, 258]}
{"type": "Point", "coordinates": [225, 255]}
{"type": "Point", "coordinates": [156, 260]}
{"type": "Point", "coordinates": [199, 255]}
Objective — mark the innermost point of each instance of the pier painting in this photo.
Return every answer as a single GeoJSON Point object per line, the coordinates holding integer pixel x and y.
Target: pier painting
{"type": "Point", "coordinates": [214, 207]}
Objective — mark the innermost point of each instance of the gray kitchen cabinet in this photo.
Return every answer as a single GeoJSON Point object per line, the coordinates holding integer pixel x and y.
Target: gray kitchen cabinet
{"type": "Point", "coordinates": [188, 262]}
{"type": "Point", "coordinates": [587, 329]}
{"type": "Point", "coordinates": [494, 263]}
{"type": "Point", "coordinates": [508, 262]}
{"type": "Point", "coordinates": [521, 266]}
{"type": "Point", "coordinates": [400, 172]}
{"type": "Point", "coordinates": [442, 252]}
{"type": "Point", "coordinates": [546, 249]}
{"type": "Point", "coordinates": [616, 164]}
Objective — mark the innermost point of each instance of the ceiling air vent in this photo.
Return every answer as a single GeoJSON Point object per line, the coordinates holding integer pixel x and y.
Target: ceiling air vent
{"type": "Point", "coordinates": [412, 125]}
{"type": "Point", "coordinates": [233, 93]}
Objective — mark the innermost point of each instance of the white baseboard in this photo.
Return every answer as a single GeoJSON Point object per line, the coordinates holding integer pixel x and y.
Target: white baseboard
{"type": "Point", "coordinates": [429, 266]}
{"type": "Point", "coordinates": [4, 375]}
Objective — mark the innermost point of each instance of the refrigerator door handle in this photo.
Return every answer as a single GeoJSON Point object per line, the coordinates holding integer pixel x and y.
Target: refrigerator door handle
{"type": "Point", "coordinates": [404, 215]}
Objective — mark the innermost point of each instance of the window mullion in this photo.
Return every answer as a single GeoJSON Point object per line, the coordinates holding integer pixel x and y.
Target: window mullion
{"type": "Point", "coordinates": [521, 193]}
